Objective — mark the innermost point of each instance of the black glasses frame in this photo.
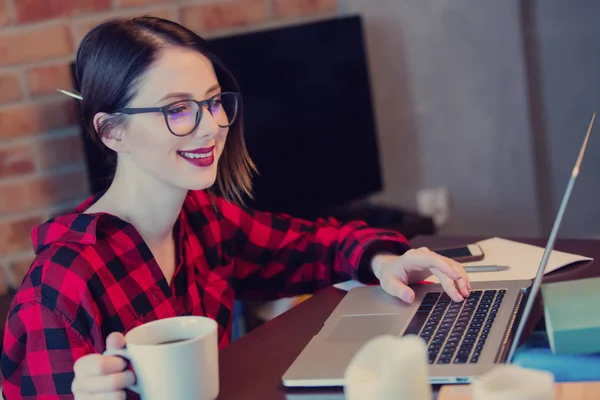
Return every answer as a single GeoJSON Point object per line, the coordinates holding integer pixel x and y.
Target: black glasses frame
{"type": "Point", "coordinates": [201, 103]}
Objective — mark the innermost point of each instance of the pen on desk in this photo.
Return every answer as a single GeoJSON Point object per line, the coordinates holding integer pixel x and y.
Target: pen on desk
{"type": "Point", "coordinates": [485, 268]}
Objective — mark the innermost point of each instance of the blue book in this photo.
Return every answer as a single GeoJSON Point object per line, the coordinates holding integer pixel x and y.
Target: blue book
{"type": "Point", "coordinates": [571, 315]}
{"type": "Point", "coordinates": [536, 353]}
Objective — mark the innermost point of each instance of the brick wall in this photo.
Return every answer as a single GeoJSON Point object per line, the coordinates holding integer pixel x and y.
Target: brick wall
{"type": "Point", "coordinates": [42, 171]}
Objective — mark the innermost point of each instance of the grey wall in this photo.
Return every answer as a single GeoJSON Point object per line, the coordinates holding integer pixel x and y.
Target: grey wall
{"type": "Point", "coordinates": [568, 40]}
{"type": "Point", "coordinates": [450, 91]}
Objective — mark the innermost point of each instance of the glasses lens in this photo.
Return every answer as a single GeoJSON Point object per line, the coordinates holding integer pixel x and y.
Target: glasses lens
{"type": "Point", "coordinates": [182, 117]}
{"type": "Point", "coordinates": [224, 109]}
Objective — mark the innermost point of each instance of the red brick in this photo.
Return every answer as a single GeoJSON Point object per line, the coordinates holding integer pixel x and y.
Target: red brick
{"type": "Point", "coordinates": [295, 8]}
{"type": "Point", "coordinates": [26, 45]}
{"type": "Point", "coordinates": [16, 160]}
{"type": "Point", "coordinates": [10, 88]}
{"type": "Point", "coordinates": [60, 151]}
{"type": "Point", "coordinates": [46, 79]}
{"type": "Point", "coordinates": [207, 17]}
{"type": "Point", "coordinates": [43, 191]}
{"type": "Point", "coordinates": [18, 270]}
{"type": "Point", "coordinates": [4, 280]}
{"type": "Point", "coordinates": [41, 10]}
{"type": "Point", "coordinates": [135, 3]}
{"type": "Point", "coordinates": [26, 119]}
{"type": "Point", "coordinates": [81, 28]}
{"type": "Point", "coordinates": [15, 236]}
{"type": "Point", "coordinates": [4, 18]}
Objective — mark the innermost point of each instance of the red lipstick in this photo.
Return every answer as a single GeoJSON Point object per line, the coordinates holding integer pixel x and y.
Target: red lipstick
{"type": "Point", "coordinates": [202, 157]}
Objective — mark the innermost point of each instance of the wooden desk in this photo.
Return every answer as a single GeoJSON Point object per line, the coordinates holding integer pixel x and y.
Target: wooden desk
{"type": "Point", "coordinates": [251, 367]}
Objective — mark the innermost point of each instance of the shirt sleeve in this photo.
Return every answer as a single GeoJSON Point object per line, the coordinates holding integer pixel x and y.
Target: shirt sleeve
{"type": "Point", "coordinates": [277, 255]}
{"type": "Point", "coordinates": [40, 349]}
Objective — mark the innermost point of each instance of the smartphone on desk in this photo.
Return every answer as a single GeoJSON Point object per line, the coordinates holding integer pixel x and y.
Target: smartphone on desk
{"type": "Point", "coordinates": [465, 253]}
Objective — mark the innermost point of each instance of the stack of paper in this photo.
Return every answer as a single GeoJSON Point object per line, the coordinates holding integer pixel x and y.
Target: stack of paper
{"type": "Point", "coordinates": [523, 260]}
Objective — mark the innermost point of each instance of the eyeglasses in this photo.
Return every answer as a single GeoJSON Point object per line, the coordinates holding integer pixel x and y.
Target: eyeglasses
{"type": "Point", "coordinates": [183, 116]}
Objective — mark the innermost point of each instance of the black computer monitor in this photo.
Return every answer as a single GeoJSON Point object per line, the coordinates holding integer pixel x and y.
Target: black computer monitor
{"type": "Point", "coordinates": [308, 117]}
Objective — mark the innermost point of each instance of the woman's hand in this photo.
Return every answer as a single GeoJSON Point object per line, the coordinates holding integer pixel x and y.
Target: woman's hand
{"type": "Point", "coordinates": [395, 273]}
{"type": "Point", "coordinates": [102, 377]}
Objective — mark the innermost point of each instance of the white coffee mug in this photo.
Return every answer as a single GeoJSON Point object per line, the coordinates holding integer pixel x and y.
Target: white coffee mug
{"type": "Point", "coordinates": [174, 358]}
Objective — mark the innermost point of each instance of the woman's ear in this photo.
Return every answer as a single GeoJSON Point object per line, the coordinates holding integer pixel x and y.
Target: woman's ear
{"type": "Point", "coordinates": [112, 132]}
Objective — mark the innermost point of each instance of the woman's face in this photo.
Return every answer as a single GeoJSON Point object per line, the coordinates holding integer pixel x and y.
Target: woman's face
{"type": "Point", "coordinates": [188, 162]}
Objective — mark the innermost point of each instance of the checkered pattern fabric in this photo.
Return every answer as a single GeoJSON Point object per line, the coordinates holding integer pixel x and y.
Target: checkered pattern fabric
{"type": "Point", "coordinates": [94, 274]}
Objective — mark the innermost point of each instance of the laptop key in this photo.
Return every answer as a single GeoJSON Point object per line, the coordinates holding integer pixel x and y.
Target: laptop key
{"type": "Point", "coordinates": [432, 296]}
{"type": "Point", "coordinates": [430, 326]}
{"type": "Point", "coordinates": [443, 332]}
{"type": "Point", "coordinates": [416, 323]}
{"type": "Point", "coordinates": [444, 298]}
{"type": "Point", "coordinates": [426, 338]}
{"type": "Point", "coordinates": [446, 356]}
{"type": "Point", "coordinates": [468, 343]}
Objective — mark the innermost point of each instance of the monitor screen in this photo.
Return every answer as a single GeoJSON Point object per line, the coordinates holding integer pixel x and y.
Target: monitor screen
{"type": "Point", "coordinates": [308, 118]}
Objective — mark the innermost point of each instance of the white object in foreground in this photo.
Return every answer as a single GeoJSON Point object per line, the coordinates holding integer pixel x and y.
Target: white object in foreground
{"type": "Point", "coordinates": [389, 367]}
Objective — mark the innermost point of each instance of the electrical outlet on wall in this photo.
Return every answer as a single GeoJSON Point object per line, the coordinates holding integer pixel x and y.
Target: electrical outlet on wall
{"type": "Point", "coordinates": [434, 203]}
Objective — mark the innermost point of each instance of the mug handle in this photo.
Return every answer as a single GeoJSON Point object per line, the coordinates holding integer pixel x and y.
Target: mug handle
{"type": "Point", "coordinates": [123, 354]}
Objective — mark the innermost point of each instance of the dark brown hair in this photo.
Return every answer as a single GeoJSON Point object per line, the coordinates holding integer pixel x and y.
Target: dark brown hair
{"type": "Point", "coordinates": [112, 59]}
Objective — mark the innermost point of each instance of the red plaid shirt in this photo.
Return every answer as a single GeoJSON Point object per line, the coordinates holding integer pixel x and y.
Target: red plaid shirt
{"type": "Point", "coordinates": [94, 274]}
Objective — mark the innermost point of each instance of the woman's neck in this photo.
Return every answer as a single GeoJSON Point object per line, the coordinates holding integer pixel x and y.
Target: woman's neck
{"type": "Point", "coordinates": [152, 207]}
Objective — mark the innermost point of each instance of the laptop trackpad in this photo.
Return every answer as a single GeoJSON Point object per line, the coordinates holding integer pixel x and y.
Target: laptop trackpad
{"type": "Point", "coordinates": [360, 328]}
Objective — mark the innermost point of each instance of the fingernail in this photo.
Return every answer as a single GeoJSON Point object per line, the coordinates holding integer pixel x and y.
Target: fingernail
{"type": "Point", "coordinates": [407, 297]}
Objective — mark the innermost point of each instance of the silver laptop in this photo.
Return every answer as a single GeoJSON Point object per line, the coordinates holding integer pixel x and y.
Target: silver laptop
{"type": "Point", "coordinates": [464, 340]}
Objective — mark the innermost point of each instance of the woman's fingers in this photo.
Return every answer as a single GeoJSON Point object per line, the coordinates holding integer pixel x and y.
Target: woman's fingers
{"type": "Point", "coordinates": [449, 286]}
{"type": "Point", "coordinates": [395, 287]}
{"type": "Point", "coordinates": [418, 260]}
{"type": "Point", "coordinates": [98, 365]}
{"type": "Point", "coordinates": [116, 340]}
{"type": "Point", "coordinates": [464, 285]}
{"type": "Point", "coordinates": [118, 395]}
{"type": "Point", "coordinates": [108, 383]}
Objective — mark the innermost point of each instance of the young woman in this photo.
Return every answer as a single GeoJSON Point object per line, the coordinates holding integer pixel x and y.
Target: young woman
{"type": "Point", "coordinates": [171, 235]}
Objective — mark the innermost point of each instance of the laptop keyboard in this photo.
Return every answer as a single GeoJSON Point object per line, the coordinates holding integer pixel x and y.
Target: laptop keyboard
{"type": "Point", "coordinates": [456, 332]}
